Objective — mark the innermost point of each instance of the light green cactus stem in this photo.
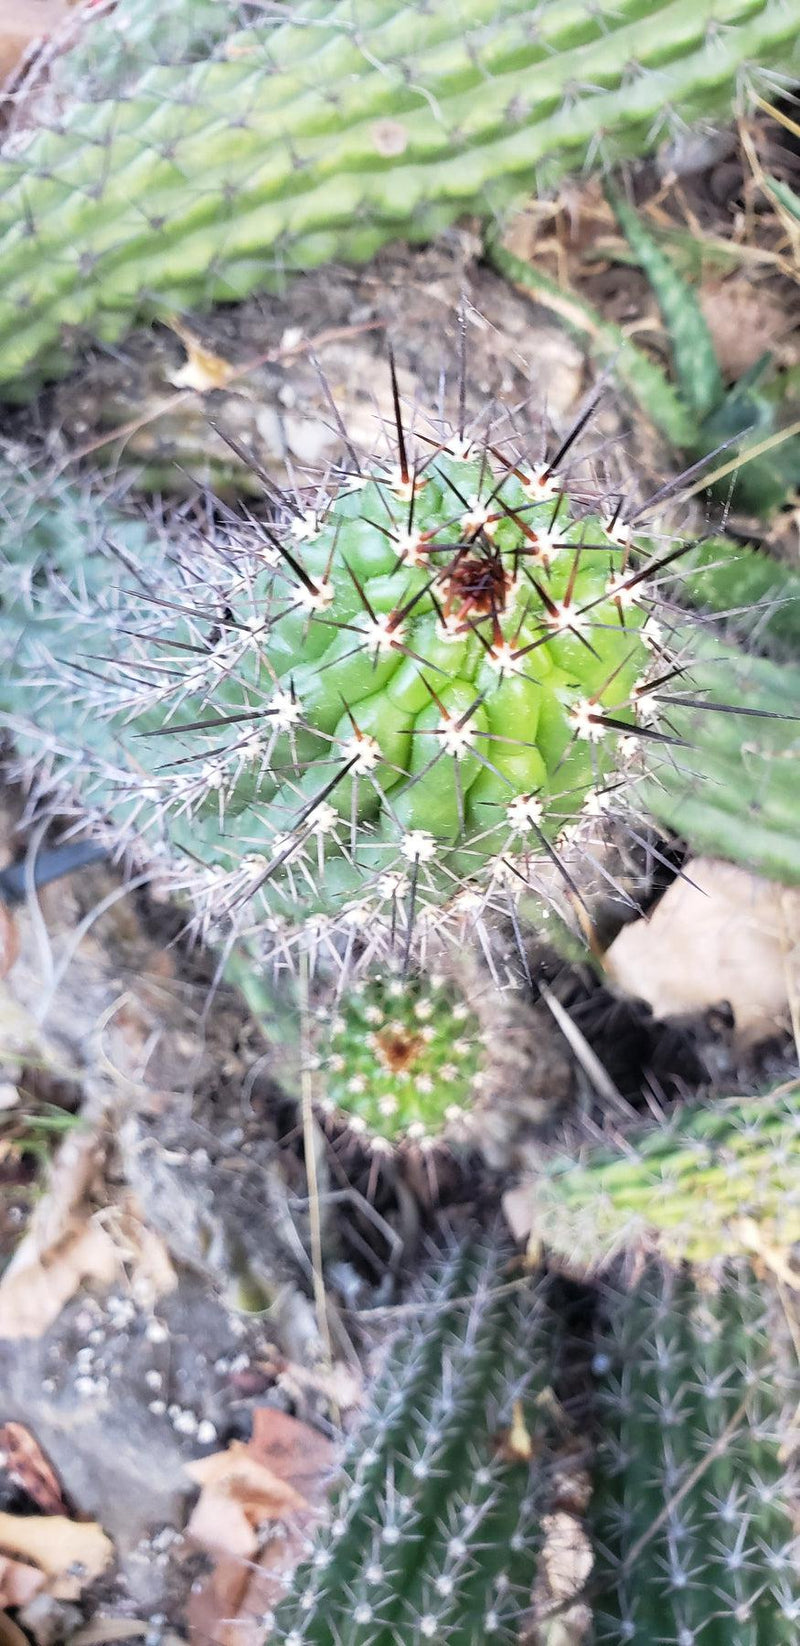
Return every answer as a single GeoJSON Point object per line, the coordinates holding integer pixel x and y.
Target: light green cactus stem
{"type": "Point", "coordinates": [734, 788]}
{"type": "Point", "coordinates": [690, 1516]}
{"type": "Point", "coordinates": [402, 1059]}
{"type": "Point", "coordinates": [713, 1181]}
{"type": "Point", "coordinates": [330, 134]}
{"type": "Point", "coordinates": [360, 715]}
{"type": "Point", "coordinates": [434, 1535]}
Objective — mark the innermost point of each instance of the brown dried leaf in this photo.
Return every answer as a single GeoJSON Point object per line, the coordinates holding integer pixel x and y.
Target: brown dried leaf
{"type": "Point", "coordinates": [280, 1475]}
{"type": "Point", "coordinates": [70, 1553]}
{"type": "Point", "coordinates": [37, 1283]}
{"type": "Point", "coordinates": [203, 369]}
{"type": "Point", "coordinates": [728, 935]}
{"type": "Point", "coordinates": [28, 1467]}
{"type": "Point", "coordinates": [22, 25]}
{"type": "Point", "coordinates": [239, 1494]}
{"type": "Point", "coordinates": [10, 1632]}
{"type": "Point", "coordinates": [296, 1452]}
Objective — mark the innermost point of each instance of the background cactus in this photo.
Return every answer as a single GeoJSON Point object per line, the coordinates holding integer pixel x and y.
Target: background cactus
{"type": "Point", "coordinates": [707, 1184]}
{"type": "Point", "coordinates": [691, 1511]}
{"type": "Point", "coordinates": [732, 784]}
{"type": "Point", "coordinates": [330, 134]}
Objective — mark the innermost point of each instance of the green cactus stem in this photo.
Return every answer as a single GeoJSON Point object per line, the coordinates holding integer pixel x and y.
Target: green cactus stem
{"type": "Point", "coordinates": [732, 785]}
{"type": "Point", "coordinates": [712, 1182]}
{"type": "Point", "coordinates": [435, 1533]}
{"type": "Point", "coordinates": [327, 135]}
{"type": "Point", "coordinates": [692, 1527]}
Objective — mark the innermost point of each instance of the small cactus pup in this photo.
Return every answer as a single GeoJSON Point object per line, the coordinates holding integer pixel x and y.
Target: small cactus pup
{"type": "Point", "coordinates": [436, 1532]}
{"type": "Point", "coordinates": [366, 721]}
{"type": "Point", "coordinates": [402, 1058]}
{"type": "Point", "coordinates": [713, 1182]}
{"type": "Point", "coordinates": [692, 1509]}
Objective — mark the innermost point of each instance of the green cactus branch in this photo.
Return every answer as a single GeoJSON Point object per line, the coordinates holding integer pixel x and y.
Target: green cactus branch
{"type": "Point", "coordinates": [436, 1530]}
{"type": "Point", "coordinates": [328, 135]}
{"type": "Point", "coordinates": [708, 1184]}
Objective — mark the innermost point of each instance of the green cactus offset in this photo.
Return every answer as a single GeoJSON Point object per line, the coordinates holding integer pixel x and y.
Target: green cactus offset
{"type": "Point", "coordinates": [329, 134]}
{"type": "Point", "coordinates": [402, 1059]}
{"type": "Point", "coordinates": [710, 1183]}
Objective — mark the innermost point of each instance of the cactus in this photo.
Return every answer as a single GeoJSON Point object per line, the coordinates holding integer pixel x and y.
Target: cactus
{"type": "Point", "coordinates": [712, 1182]}
{"type": "Point", "coordinates": [402, 1058]}
{"type": "Point", "coordinates": [692, 1529]}
{"type": "Point", "coordinates": [435, 1532]}
{"type": "Point", "coordinates": [350, 716]}
{"type": "Point", "coordinates": [475, 1507]}
{"type": "Point", "coordinates": [732, 784]}
{"type": "Point", "coordinates": [367, 722]}
{"type": "Point", "coordinates": [330, 134]}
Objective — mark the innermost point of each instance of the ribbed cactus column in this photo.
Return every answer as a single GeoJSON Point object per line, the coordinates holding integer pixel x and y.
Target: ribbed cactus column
{"type": "Point", "coordinates": [704, 1185]}
{"type": "Point", "coordinates": [327, 135]}
{"type": "Point", "coordinates": [434, 1535]}
{"type": "Point", "coordinates": [691, 1511]}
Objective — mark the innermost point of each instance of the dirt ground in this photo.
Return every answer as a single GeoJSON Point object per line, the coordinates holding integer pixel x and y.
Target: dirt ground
{"type": "Point", "coordinates": [160, 1284]}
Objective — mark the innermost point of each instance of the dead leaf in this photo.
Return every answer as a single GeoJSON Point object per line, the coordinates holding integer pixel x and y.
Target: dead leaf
{"type": "Point", "coordinates": [203, 369]}
{"type": "Point", "coordinates": [280, 1476]}
{"type": "Point", "coordinates": [28, 1467]}
{"type": "Point", "coordinates": [239, 1494]}
{"type": "Point", "coordinates": [515, 1445]}
{"type": "Point", "coordinates": [726, 936]}
{"type": "Point", "coordinates": [297, 1453]}
{"type": "Point", "coordinates": [744, 321]}
{"type": "Point", "coordinates": [70, 1553]}
{"type": "Point", "coordinates": [37, 1284]}
{"type": "Point", "coordinates": [66, 1244]}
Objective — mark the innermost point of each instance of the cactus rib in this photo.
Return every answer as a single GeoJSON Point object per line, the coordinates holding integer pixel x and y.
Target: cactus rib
{"type": "Point", "coordinates": [328, 135]}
